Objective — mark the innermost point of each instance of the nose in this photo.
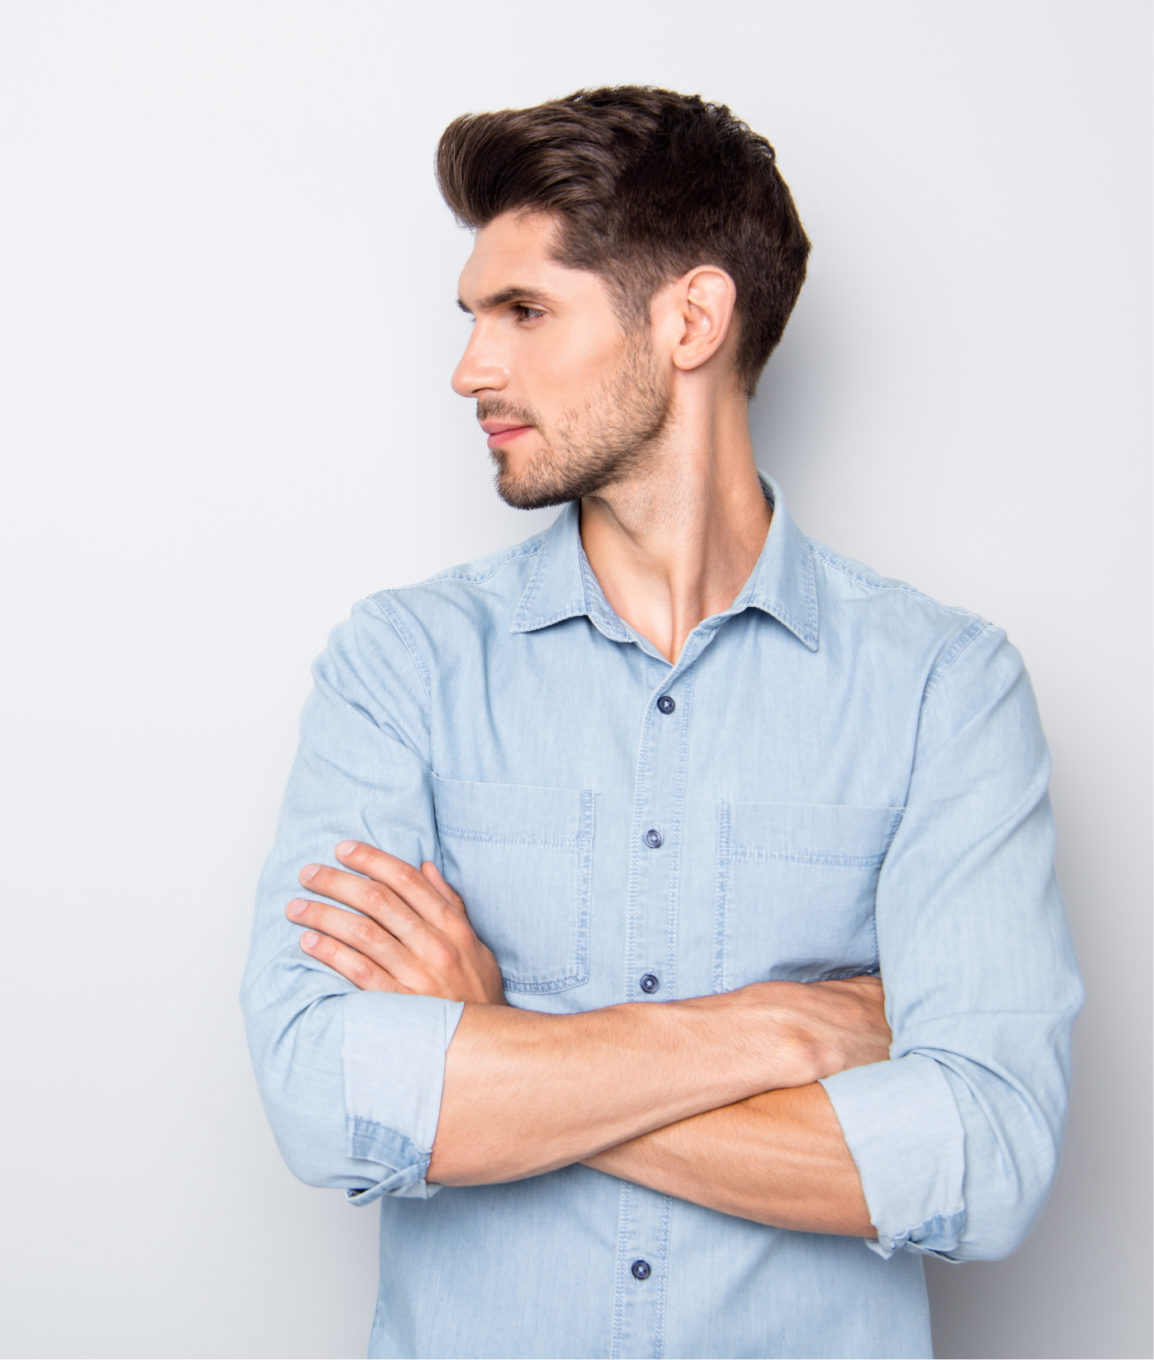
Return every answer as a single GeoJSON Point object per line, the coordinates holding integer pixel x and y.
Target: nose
{"type": "Point", "coordinates": [480, 369]}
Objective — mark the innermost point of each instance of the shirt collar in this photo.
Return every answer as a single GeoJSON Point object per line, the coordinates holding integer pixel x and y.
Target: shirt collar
{"type": "Point", "coordinates": [563, 585]}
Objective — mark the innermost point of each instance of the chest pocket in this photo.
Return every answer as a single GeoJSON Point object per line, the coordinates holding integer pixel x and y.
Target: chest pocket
{"type": "Point", "coordinates": [795, 890]}
{"type": "Point", "coordinates": [521, 857]}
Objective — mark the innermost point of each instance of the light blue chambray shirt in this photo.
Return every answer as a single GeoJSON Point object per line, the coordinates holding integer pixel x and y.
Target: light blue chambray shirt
{"type": "Point", "coordinates": [838, 776]}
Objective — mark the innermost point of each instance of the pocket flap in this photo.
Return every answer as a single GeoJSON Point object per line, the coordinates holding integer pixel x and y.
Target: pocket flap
{"type": "Point", "coordinates": [508, 814]}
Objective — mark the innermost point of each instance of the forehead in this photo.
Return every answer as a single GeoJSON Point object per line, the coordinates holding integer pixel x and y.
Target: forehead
{"type": "Point", "coordinates": [515, 251]}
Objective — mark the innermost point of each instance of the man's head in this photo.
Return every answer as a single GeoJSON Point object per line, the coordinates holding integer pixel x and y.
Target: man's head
{"type": "Point", "coordinates": [573, 404]}
{"type": "Point", "coordinates": [642, 185]}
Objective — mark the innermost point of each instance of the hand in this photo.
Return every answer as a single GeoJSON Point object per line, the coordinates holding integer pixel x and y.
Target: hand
{"type": "Point", "coordinates": [412, 934]}
{"type": "Point", "coordinates": [819, 1028]}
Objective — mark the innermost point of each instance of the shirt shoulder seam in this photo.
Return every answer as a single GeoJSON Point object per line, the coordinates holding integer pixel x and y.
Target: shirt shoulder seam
{"type": "Point", "coordinates": [390, 615]}
{"type": "Point", "coordinates": [961, 644]}
{"type": "Point", "coordinates": [476, 573]}
{"type": "Point", "coordinates": [875, 582]}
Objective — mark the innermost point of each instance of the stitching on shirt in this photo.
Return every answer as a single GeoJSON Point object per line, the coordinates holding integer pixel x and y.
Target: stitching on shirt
{"type": "Point", "coordinates": [390, 615]}
{"type": "Point", "coordinates": [721, 897]}
{"type": "Point", "coordinates": [508, 837]}
{"type": "Point", "coordinates": [601, 617]}
{"type": "Point", "coordinates": [530, 548]}
{"type": "Point", "coordinates": [552, 618]}
{"type": "Point", "coordinates": [804, 632]}
{"type": "Point", "coordinates": [756, 854]}
{"type": "Point", "coordinates": [681, 786]}
{"type": "Point", "coordinates": [961, 644]}
{"type": "Point", "coordinates": [663, 1240]}
{"type": "Point", "coordinates": [872, 581]}
{"type": "Point", "coordinates": [811, 593]}
{"type": "Point", "coordinates": [624, 1204]}
{"type": "Point", "coordinates": [808, 631]}
{"type": "Point", "coordinates": [523, 619]}
{"type": "Point", "coordinates": [364, 1138]}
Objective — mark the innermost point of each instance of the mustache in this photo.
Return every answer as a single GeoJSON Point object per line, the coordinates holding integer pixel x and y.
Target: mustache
{"type": "Point", "coordinates": [503, 410]}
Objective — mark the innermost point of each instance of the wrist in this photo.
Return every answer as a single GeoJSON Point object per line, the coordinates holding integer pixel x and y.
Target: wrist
{"type": "Point", "coordinates": [771, 1029]}
{"type": "Point", "coordinates": [736, 1042]}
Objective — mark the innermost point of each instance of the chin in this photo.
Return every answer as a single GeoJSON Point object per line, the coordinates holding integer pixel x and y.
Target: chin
{"type": "Point", "coordinates": [533, 488]}
{"type": "Point", "coordinates": [529, 496]}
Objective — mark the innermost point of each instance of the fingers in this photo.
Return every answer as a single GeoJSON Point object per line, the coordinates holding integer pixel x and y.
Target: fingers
{"type": "Point", "coordinates": [393, 965]}
{"type": "Point", "coordinates": [358, 968]}
{"type": "Point", "coordinates": [382, 886]}
{"type": "Point", "coordinates": [350, 928]}
{"type": "Point", "coordinates": [433, 874]}
{"type": "Point", "coordinates": [408, 930]}
{"type": "Point", "coordinates": [369, 897]}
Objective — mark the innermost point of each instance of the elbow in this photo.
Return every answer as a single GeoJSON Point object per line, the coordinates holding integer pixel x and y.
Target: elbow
{"type": "Point", "coordinates": [1001, 1230]}
{"type": "Point", "coordinates": [992, 1243]}
{"type": "Point", "coordinates": [1007, 1184]}
{"type": "Point", "coordinates": [296, 1060]}
{"type": "Point", "coordinates": [297, 1038]}
{"type": "Point", "coordinates": [308, 1151]}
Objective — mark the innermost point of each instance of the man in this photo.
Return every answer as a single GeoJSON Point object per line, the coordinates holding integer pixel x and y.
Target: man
{"type": "Point", "coordinates": [627, 1086]}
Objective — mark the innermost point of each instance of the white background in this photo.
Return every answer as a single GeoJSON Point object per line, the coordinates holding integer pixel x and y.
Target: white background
{"type": "Point", "coordinates": [226, 332]}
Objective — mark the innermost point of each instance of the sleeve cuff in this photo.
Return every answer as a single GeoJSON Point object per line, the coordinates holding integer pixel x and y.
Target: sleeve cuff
{"type": "Point", "coordinates": [903, 1130]}
{"type": "Point", "coordinates": [394, 1069]}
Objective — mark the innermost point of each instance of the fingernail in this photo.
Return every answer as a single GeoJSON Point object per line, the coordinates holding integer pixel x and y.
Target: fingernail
{"type": "Point", "coordinates": [309, 940]}
{"type": "Point", "coordinates": [346, 847]}
{"type": "Point", "coordinates": [309, 872]}
{"type": "Point", "coordinates": [295, 908]}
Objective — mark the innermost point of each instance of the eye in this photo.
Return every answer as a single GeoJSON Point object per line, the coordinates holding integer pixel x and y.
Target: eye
{"type": "Point", "coordinates": [524, 312]}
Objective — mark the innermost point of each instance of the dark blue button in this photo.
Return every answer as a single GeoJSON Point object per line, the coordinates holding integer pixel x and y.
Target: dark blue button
{"type": "Point", "coordinates": [654, 839]}
{"type": "Point", "coordinates": [641, 1270]}
{"type": "Point", "coordinates": [666, 704]}
{"type": "Point", "coordinates": [650, 983]}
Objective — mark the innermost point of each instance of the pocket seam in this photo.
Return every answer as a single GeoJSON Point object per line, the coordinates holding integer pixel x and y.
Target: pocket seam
{"type": "Point", "coordinates": [578, 844]}
{"type": "Point", "coordinates": [729, 853]}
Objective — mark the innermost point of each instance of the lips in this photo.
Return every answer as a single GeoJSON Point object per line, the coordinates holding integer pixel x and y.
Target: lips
{"type": "Point", "coordinates": [502, 431]}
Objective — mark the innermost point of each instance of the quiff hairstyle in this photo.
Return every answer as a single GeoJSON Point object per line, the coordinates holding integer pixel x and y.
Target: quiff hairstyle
{"type": "Point", "coordinates": [646, 184]}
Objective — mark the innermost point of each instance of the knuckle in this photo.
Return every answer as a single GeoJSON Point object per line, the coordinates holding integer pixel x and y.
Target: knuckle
{"type": "Point", "coordinates": [363, 931]}
{"type": "Point", "coordinates": [409, 876]}
{"type": "Point", "coordinates": [361, 972]}
{"type": "Point", "coordinates": [375, 899]}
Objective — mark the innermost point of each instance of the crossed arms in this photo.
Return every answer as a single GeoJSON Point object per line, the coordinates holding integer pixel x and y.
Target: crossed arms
{"type": "Point", "coordinates": [951, 1140]}
{"type": "Point", "coordinates": [712, 1099]}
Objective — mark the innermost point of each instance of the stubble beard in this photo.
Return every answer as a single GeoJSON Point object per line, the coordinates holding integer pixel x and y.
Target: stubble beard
{"type": "Point", "coordinates": [613, 436]}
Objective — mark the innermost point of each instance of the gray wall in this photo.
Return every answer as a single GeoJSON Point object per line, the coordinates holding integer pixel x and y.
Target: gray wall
{"type": "Point", "coordinates": [225, 338]}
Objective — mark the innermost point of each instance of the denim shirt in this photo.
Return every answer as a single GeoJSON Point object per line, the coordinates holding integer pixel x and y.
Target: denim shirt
{"type": "Point", "coordinates": [837, 776]}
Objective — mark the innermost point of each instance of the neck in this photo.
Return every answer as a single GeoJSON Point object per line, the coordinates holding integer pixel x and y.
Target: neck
{"type": "Point", "coordinates": [676, 541]}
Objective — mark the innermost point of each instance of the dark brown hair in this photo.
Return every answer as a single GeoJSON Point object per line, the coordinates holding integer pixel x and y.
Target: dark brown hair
{"type": "Point", "coordinates": [646, 184]}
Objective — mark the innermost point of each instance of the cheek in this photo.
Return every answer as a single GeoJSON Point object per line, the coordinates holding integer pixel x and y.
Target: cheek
{"type": "Point", "coordinates": [570, 378]}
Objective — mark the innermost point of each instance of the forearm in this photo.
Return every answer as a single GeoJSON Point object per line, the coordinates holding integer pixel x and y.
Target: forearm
{"type": "Point", "coordinates": [526, 1092]}
{"type": "Point", "coordinates": [523, 1092]}
{"type": "Point", "coordinates": [777, 1158]}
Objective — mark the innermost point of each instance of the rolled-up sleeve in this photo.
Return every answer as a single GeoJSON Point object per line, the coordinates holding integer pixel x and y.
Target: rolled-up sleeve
{"type": "Point", "coordinates": [351, 1081]}
{"type": "Point", "coordinates": [957, 1137]}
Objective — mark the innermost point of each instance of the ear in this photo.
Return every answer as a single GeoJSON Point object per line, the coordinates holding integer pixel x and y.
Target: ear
{"type": "Point", "coordinates": [704, 302]}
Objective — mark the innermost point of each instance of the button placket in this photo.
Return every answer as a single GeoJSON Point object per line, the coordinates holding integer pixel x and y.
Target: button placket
{"type": "Point", "coordinates": [650, 967]}
{"type": "Point", "coordinates": [642, 1272]}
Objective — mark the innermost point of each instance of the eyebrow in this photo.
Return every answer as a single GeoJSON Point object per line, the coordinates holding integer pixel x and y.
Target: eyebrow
{"type": "Point", "coordinates": [505, 296]}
